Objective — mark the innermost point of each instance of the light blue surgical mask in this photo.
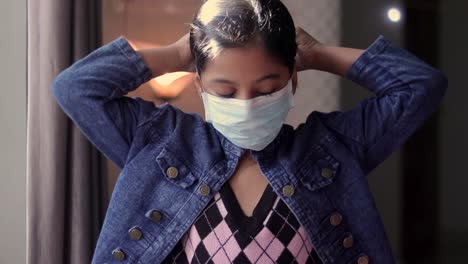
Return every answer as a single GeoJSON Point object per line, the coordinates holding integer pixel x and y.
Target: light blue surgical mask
{"type": "Point", "coordinates": [252, 123]}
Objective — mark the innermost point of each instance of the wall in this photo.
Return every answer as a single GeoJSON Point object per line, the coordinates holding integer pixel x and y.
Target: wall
{"type": "Point", "coordinates": [13, 132]}
{"type": "Point", "coordinates": [453, 131]}
{"type": "Point", "coordinates": [316, 90]}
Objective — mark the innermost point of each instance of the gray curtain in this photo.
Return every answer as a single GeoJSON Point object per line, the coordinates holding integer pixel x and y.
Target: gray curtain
{"type": "Point", "coordinates": [65, 173]}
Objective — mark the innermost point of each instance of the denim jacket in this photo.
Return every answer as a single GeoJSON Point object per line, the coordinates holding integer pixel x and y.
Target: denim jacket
{"type": "Point", "coordinates": [172, 162]}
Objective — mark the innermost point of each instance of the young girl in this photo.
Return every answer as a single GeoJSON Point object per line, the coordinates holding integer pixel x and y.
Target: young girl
{"type": "Point", "coordinates": [242, 186]}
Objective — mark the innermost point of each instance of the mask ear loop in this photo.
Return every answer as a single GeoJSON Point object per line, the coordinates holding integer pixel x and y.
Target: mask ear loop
{"type": "Point", "coordinates": [202, 90]}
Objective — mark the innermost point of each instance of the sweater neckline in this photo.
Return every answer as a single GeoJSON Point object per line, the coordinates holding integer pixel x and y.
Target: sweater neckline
{"type": "Point", "coordinates": [247, 225]}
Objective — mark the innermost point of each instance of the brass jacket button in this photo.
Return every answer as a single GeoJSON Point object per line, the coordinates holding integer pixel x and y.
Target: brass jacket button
{"type": "Point", "coordinates": [288, 190]}
{"type": "Point", "coordinates": [135, 233]}
{"type": "Point", "coordinates": [327, 172]}
{"type": "Point", "coordinates": [335, 219]}
{"type": "Point", "coordinates": [364, 259]}
{"type": "Point", "coordinates": [155, 216]}
{"type": "Point", "coordinates": [118, 254]}
{"type": "Point", "coordinates": [172, 172]}
{"type": "Point", "coordinates": [204, 189]}
{"type": "Point", "coordinates": [348, 241]}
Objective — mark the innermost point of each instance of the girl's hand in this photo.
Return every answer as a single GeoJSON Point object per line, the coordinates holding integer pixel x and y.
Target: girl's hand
{"type": "Point", "coordinates": [170, 58]}
{"type": "Point", "coordinates": [184, 54]}
{"type": "Point", "coordinates": [307, 50]}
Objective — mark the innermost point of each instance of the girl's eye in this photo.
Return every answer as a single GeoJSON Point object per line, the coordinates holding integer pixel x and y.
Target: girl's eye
{"type": "Point", "coordinates": [266, 94]}
{"type": "Point", "coordinates": [226, 95]}
{"type": "Point", "coordinates": [231, 95]}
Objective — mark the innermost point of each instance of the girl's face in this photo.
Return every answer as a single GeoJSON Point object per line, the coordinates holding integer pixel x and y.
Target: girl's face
{"type": "Point", "coordinates": [244, 73]}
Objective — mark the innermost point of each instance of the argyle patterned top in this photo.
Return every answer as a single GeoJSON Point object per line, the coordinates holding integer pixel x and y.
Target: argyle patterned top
{"type": "Point", "coordinates": [222, 233]}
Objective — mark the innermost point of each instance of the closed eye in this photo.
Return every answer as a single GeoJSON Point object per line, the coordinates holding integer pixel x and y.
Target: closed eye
{"type": "Point", "coordinates": [266, 94]}
{"type": "Point", "coordinates": [226, 95]}
{"type": "Point", "coordinates": [231, 95]}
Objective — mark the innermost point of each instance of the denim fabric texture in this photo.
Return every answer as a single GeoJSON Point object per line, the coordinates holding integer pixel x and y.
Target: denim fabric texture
{"type": "Point", "coordinates": [325, 159]}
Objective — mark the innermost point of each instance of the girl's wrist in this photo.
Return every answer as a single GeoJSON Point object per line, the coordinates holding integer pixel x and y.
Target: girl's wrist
{"type": "Point", "coordinates": [161, 60]}
{"type": "Point", "coordinates": [311, 59]}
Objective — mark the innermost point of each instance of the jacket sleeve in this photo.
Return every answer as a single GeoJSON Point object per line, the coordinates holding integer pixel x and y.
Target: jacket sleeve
{"type": "Point", "coordinates": [407, 91]}
{"type": "Point", "coordinates": [91, 92]}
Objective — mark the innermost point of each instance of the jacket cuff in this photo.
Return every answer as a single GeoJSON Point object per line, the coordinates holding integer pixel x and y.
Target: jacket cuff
{"type": "Point", "coordinates": [142, 72]}
{"type": "Point", "coordinates": [377, 47]}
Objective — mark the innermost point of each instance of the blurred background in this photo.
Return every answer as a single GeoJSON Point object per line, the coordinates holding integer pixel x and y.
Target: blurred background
{"type": "Point", "coordinates": [420, 189]}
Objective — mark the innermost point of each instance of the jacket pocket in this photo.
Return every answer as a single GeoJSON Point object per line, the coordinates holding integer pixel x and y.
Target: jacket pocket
{"type": "Point", "coordinates": [174, 169]}
{"type": "Point", "coordinates": [318, 170]}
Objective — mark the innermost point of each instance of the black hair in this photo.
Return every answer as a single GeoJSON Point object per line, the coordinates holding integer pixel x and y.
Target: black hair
{"type": "Point", "coordinates": [221, 24]}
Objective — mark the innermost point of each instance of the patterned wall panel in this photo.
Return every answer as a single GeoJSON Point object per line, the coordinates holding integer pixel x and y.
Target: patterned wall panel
{"type": "Point", "coordinates": [316, 90]}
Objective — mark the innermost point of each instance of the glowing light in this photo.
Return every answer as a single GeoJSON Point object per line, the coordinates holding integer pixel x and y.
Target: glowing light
{"type": "Point", "coordinates": [394, 14]}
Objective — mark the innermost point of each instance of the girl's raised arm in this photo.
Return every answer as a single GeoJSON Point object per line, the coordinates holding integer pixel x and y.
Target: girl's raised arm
{"type": "Point", "coordinates": [407, 91]}
{"type": "Point", "coordinates": [91, 92]}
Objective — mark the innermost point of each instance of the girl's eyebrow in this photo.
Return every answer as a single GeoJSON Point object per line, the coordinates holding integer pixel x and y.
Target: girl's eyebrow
{"type": "Point", "coordinates": [266, 77]}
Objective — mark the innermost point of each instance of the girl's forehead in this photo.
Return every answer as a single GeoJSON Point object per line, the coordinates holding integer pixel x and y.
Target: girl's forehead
{"type": "Point", "coordinates": [249, 62]}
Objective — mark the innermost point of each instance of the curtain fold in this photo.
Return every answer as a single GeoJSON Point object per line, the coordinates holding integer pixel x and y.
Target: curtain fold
{"type": "Point", "coordinates": [66, 183]}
